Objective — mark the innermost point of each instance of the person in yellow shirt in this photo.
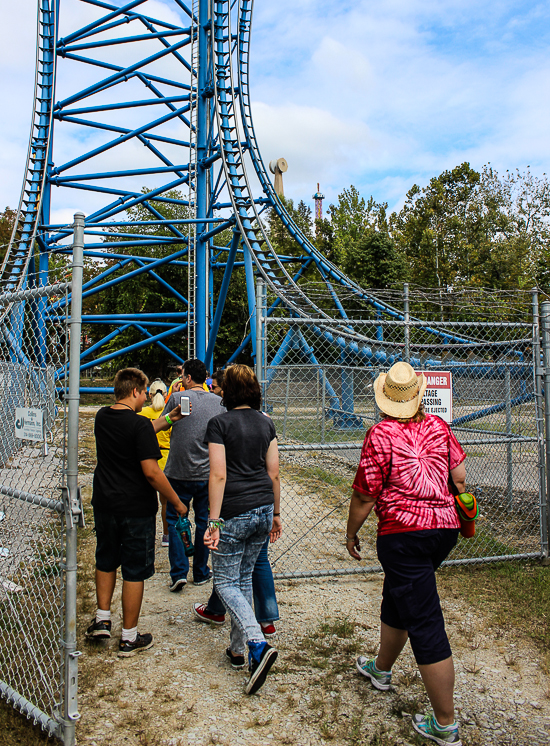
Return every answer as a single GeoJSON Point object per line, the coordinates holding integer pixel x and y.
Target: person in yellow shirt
{"type": "Point", "coordinates": [176, 384]}
{"type": "Point", "coordinates": [157, 393]}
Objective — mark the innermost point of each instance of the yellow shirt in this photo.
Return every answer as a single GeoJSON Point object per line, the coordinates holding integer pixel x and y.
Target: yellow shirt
{"type": "Point", "coordinates": [163, 436]}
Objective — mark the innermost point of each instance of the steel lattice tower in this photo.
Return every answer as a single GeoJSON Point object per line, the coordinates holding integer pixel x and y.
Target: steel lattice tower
{"type": "Point", "coordinates": [131, 97]}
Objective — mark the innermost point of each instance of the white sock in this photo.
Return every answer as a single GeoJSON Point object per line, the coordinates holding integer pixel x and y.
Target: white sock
{"type": "Point", "coordinates": [129, 635]}
{"type": "Point", "coordinates": [103, 616]}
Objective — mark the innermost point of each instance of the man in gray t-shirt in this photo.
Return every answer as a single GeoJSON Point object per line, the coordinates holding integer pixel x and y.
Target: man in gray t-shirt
{"type": "Point", "coordinates": [188, 469]}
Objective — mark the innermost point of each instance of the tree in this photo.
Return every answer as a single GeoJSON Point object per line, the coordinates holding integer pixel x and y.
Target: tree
{"type": "Point", "coordinates": [375, 262]}
{"type": "Point", "coordinates": [475, 228]}
{"type": "Point", "coordinates": [7, 221]}
{"type": "Point", "coordinates": [518, 212]}
{"type": "Point", "coordinates": [439, 228]}
{"type": "Point", "coordinates": [351, 219]}
{"type": "Point", "coordinates": [278, 235]}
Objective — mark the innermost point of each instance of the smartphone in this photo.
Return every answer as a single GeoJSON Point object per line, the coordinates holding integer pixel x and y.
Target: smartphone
{"type": "Point", "coordinates": [184, 404]}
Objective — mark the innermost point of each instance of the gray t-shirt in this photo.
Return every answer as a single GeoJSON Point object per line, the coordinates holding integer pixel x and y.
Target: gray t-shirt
{"type": "Point", "coordinates": [188, 455]}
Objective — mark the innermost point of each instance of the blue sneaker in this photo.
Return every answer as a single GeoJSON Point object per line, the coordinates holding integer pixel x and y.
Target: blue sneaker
{"type": "Point", "coordinates": [380, 679]}
{"type": "Point", "coordinates": [261, 657]}
{"type": "Point", "coordinates": [428, 727]}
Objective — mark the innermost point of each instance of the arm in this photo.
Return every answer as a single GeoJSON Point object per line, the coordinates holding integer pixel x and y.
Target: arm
{"type": "Point", "coordinates": [458, 475]}
{"type": "Point", "coordinates": [159, 481]}
{"type": "Point", "coordinates": [359, 508]}
{"type": "Point", "coordinates": [272, 466]}
{"type": "Point", "coordinates": [216, 487]}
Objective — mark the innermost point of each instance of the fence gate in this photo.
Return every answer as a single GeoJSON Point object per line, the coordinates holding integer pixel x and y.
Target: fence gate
{"type": "Point", "coordinates": [39, 501]}
{"type": "Point", "coordinates": [317, 378]}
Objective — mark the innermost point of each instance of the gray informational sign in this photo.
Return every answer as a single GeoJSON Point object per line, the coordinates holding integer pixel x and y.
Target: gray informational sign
{"type": "Point", "coordinates": [29, 423]}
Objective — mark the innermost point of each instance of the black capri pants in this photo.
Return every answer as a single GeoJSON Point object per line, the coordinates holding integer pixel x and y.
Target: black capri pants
{"type": "Point", "coordinates": [409, 598]}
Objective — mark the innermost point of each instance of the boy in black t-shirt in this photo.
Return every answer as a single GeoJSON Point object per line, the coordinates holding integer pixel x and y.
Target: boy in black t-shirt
{"type": "Point", "coordinates": [126, 481]}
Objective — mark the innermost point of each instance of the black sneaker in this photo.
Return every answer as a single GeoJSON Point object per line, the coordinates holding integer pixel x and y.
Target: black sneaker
{"type": "Point", "coordinates": [260, 669]}
{"type": "Point", "coordinates": [177, 585]}
{"type": "Point", "coordinates": [237, 661]}
{"type": "Point", "coordinates": [99, 630]}
{"type": "Point", "coordinates": [142, 642]}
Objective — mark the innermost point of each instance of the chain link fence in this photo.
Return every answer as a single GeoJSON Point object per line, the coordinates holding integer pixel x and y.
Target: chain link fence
{"type": "Point", "coordinates": [318, 386]}
{"type": "Point", "coordinates": [36, 514]}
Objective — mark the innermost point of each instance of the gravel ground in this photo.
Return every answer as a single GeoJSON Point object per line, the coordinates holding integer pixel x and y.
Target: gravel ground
{"type": "Point", "coordinates": [183, 692]}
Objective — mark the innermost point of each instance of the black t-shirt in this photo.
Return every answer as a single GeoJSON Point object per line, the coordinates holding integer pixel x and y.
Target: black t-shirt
{"type": "Point", "coordinates": [123, 439]}
{"type": "Point", "coordinates": [246, 435]}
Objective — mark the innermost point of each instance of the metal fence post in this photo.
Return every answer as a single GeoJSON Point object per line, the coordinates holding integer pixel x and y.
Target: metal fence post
{"type": "Point", "coordinates": [509, 459]}
{"type": "Point", "coordinates": [287, 393]}
{"type": "Point", "coordinates": [261, 297]}
{"type": "Point", "coordinates": [323, 404]}
{"type": "Point", "coordinates": [407, 328]}
{"type": "Point", "coordinates": [317, 395]}
{"type": "Point", "coordinates": [73, 509]}
{"type": "Point", "coordinates": [545, 329]}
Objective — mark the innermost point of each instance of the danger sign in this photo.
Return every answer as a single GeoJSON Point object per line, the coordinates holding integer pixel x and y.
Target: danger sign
{"type": "Point", "coordinates": [438, 397]}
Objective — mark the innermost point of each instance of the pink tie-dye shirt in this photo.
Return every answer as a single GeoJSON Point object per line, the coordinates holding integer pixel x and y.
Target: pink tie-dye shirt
{"type": "Point", "coordinates": [405, 466]}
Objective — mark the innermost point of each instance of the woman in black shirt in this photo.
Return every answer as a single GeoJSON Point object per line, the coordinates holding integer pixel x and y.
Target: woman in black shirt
{"type": "Point", "coordinates": [244, 493]}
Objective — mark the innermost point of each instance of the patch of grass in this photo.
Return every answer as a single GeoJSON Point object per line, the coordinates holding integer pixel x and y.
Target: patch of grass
{"type": "Point", "coordinates": [513, 595]}
{"type": "Point", "coordinates": [328, 647]}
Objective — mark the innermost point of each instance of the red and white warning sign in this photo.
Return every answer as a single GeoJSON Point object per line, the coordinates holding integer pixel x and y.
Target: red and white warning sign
{"type": "Point", "coordinates": [438, 398]}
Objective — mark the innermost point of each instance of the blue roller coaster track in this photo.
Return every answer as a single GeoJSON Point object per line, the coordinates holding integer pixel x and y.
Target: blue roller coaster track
{"type": "Point", "coordinates": [169, 97]}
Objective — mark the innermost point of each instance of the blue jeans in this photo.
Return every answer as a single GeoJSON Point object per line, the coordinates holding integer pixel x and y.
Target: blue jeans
{"type": "Point", "coordinates": [263, 590]}
{"type": "Point", "coordinates": [179, 563]}
{"type": "Point", "coordinates": [241, 542]}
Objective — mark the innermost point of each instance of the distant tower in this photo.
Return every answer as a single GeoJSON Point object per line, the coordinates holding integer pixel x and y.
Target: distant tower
{"type": "Point", "coordinates": [278, 168]}
{"type": "Point", "coordinates": [318, 197]}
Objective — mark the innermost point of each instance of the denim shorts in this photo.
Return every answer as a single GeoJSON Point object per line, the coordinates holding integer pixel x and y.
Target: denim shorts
{"type": "Point", "coordinates": [409, 597]}
{"type": "Point", "coordinates": [125, 542]}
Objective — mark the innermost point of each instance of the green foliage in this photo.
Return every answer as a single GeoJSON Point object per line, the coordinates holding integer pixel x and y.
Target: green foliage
{"type": "Point", "coordinates": [438, 228]}
{"type": "Point", "coordinates": [278, 235]}
{"type": "Point", "coordinates": [7, 220]}
{"type": "Point", "coordinates": [352, 218]}
{"type": "Point", "coordinates": [471, 228]}
{"type": "Point", "coordinates": [514, 595]}
{"type": "Point", "coordinates": [375, 262]}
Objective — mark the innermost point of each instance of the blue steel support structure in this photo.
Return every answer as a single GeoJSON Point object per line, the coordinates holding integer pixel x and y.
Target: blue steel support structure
{"type": "Point", "coordinates": [169, 95]}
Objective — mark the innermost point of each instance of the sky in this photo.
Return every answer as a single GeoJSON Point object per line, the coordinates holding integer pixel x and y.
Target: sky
{"type": "Point", "coordinates": [381, 95]}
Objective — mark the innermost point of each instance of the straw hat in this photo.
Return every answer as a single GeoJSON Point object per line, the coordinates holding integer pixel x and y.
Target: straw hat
{"type": "Point", "coordinates": [399, 391]}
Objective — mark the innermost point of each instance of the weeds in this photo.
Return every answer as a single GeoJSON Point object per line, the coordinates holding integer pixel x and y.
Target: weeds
{"type": "Point", "coordinates": [515, 596]}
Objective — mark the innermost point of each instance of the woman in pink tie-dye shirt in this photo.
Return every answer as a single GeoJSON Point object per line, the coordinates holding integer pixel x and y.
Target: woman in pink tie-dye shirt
{"type": "Point", "coordinates": [403, 474]}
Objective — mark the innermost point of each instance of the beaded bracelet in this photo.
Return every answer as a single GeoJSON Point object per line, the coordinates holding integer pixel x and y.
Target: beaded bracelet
{"type": "Point", "coordinates": [218, 523]}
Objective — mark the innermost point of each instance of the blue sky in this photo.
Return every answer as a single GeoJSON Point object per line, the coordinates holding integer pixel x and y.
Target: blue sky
{"type": "Point", "coordinates": [377, 94]}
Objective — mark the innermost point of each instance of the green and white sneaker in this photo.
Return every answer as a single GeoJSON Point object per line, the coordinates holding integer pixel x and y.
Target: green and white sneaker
{"type": "Point", "coordinates": [428, 727]}
{"type": "Point", "coordinates": [380, 679]}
